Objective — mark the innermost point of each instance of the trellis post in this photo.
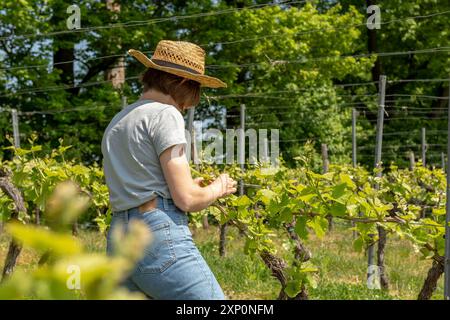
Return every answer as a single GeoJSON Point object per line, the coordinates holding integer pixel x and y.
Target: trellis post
{"type": "Point", "coordinates": [424, 147]}
{"type": "Point", "coordinates": [354, 115]}
{"type": "Point", "coordinates": [412, 161]}
{"type": "Point", "coordinates": [443, 161]}
{"type": "Point", "coordinates": [354, 156]}
{"type": "Point", "coordinates": [326, 167]}
{"type": "Point", "coordinates": [447, 216]}
{"type": "Point", "coordinates": [372, 278]}
{"type": "Point", "coordinates": [15, 124]}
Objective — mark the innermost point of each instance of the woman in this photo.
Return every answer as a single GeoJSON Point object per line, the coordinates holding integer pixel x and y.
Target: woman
{"type": "Point", "coordinates": [149, 179]}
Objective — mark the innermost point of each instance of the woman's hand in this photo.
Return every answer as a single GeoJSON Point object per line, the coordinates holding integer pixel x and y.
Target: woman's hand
{"type": "Point", "coordinates": [223, 186]}
{"type": "Point", "coordinates": [199, 181]}
{"type": "Point", "coordinates": [189, 194]}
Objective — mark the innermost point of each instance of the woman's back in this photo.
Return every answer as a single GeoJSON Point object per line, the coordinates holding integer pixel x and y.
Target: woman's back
{"type": "Point", "coordinates": [131, 146]}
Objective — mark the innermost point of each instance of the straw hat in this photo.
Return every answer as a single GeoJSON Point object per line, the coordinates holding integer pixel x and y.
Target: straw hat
{"type": "Point", "coordinates": [181, 58]}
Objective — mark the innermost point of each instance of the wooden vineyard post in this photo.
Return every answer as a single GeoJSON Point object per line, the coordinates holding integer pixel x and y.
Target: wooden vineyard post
{"type": "Point", "coordinates": [443, 161]}
{"type": "Point", "coordinates": [16, 139]}
{"type": "Point", "coordinates": [192, 147]}
{"type": "Point", "coordinates": [354, 156]}
{"type": "Point", "coordinates": [374, 270]}
{"type": "Point", "coordinates": [325, 168]}
{"type": "Point", "coordinates": [325, 160]}
{"type": "Point", "coordinates": [265, 151]}
{"type": "Point", "coordinates": [15, 124]}
{"type": "Point", "coordinates": [447, 216]}
{"type": "Point", "coordinates": [37, 214]}
{"type": "Point", "coordinates": [241, 160]}
{"type": "Point", "coordinates": [412, 161]}
{"type": "Point", "coordinates": [116, 73]}
{"type": "Point", "coordinates": [15, 247]}
{"type": "Point", "coordinates": [190, 121]}
{"type": "Point", "coordinates": [241, 152]}
{"type": "Point", "coordinates": [193, 152]}
{"type": "Point", "coordinates": [424, 147]}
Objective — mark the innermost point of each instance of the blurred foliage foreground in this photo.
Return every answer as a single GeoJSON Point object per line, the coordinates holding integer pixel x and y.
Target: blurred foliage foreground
{"type": "Point", "coordinates": [66, 270]}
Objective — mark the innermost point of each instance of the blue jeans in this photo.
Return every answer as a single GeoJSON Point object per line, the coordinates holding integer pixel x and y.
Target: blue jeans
{"type": "Point", "coordinates": [172, 267]}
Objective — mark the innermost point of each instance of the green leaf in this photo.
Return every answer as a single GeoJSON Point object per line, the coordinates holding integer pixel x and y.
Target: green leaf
{"type": "Point", "coordinates": [286, 214]}
{"type": "Point", "coordinates": [307, 197]}
{"type": "Point", "coordinates": [266, 195]}
{"type": "Point", "coordinates": [347, 180]}
{"type": "Point", "coordinates": [293, 288]}
{"type": "Point", "coordinates": [319, 225]}
{"type": "Point", "coordinates": [306, 194]}
{"type": "Point", "coordinates": [250, 246]}
{"type": "Point", "coordinates": [311, 281]}
{"type": "Point", "coordinates": [309, 269]}
{"type": "Point", "coordinates": [338, 209]}
{"type": "Point", "coordinates": [300, 228]}
{"type": "Point", "coordinates": [36, 148]}
{"type": "Point", "coordinates": [339, 190]}
{"type": "Point", "coordinates": [358, 244]}
{"type": "Point", "coordinates": [440, 246]}
{"type": "Point", "coordinates": [439, 211]}
{"type": "Point", "coordinates": [243, 201]}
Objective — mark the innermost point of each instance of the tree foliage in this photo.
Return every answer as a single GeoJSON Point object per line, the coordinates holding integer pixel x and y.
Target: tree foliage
{"type": "Point", "coordinates": [288, 56]}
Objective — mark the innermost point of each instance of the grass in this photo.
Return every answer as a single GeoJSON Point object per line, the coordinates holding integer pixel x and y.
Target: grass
{"type": "Point", "coordinates": [342, 271]}
{"type": "Point", "coordinates": [342, 268]}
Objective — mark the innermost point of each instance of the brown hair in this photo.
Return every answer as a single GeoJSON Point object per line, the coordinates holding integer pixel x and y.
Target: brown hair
{"type": "Point", "coordinates": [185, 92]}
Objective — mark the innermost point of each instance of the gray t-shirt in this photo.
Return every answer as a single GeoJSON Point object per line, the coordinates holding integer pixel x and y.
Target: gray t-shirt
{"type": "Point", "coordinates": [131, 146]}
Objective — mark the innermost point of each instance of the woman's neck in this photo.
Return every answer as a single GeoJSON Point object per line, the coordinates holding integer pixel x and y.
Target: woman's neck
{"type": "Point", "coordinates": [158, 97]}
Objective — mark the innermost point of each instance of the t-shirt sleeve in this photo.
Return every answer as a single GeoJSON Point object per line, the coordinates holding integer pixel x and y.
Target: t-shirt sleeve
{"type": "Point", "coordinates": [168, 130]}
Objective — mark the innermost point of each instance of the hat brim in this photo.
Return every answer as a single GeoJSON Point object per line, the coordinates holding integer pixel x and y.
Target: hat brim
{"type": "Point", "coordinates": [204, 80]}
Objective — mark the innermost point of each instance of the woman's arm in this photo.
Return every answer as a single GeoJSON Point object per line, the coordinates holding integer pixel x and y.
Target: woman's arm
{"type": "Point", "coordinates": [186, 192]}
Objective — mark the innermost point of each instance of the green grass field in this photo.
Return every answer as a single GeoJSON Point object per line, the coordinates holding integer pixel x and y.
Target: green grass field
{"type": "Point", "coordinates": [342, 271]}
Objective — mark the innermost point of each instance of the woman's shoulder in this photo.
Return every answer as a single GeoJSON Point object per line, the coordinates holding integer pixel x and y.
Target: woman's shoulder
{"type": "Point", "coordinates": [159, 115]}
{"type": "Point", "coordinates": [168, 111]}
{"type": "Point", "coordinates": [158, 109]}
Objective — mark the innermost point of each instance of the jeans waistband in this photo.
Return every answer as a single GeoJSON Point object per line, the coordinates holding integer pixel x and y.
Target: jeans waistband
{"type": "Point", "coordinates": [161, 203]}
